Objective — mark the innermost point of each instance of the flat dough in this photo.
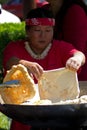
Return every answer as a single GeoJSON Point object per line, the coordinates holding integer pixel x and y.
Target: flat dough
{"type": "Point", "coordinates": [42, 102]}
{"type": "Point", "coordinates": [18, 94]}
{"type": "Point", "coordinates": [59, 85]}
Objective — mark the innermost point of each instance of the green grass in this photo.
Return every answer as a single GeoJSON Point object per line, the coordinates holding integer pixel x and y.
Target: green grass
{"type": "Point", "coordinates": [4, 122]}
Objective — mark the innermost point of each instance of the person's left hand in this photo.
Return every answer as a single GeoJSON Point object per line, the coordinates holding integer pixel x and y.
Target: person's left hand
{"type": "Point", "coordinates": [73, 63]}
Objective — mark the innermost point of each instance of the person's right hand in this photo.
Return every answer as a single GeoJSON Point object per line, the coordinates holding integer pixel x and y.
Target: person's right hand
{"type": "Point", "coordinates": [33, 68]}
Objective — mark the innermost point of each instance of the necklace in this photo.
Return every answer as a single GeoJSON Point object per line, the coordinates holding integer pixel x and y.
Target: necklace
{"type": "Point", "coordinates": [37, 56]}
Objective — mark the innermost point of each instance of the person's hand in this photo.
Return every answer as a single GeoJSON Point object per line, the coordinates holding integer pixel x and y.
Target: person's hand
{"type": "Point", "coordinates": [33, 68]}
{"type": "Point", "coordinates": [73, 63]}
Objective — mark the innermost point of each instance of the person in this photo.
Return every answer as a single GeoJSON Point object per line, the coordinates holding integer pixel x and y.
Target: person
{"type": "Point", "coordinates": [40, 51]}
{"type": "Point", "coordinates": [71, 25]}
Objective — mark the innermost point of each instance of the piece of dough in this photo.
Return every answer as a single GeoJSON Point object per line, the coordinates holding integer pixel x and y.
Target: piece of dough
{"type": "Point", "coordinates": [59, 85]}
{"type": "Point", "coordinates": [43, 102]}
{"type": "Point", "coordinates": [25, 90]}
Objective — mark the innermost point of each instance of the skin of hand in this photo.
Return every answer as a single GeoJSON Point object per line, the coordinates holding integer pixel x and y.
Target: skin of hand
{"type": "Point", "coordinates": [33, 68]}
{"type": "Point", "coordinates": [75, 62]}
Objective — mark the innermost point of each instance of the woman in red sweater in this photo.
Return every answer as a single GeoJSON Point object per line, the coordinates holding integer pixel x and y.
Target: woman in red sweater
{"type": "Point", "coordinates": [71, 24]}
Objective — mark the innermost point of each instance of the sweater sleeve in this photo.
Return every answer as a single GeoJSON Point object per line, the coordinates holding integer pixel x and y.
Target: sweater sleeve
{"type": "Point", "coordinates": [13, 49]}
{"type": "Point", "coordinates": [75, 27]}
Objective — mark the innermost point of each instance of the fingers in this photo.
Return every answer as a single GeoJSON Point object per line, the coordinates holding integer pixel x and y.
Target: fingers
{"type": "Point", "coordinates": [36, 70]}
{"type": "Point", "coordinates": [73, 64]}
{"type": "Point", "coordinates": [30, 74]}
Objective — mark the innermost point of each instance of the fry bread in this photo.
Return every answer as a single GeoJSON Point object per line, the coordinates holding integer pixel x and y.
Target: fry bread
{"type": "Point", "coordinates": [18, 94]}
